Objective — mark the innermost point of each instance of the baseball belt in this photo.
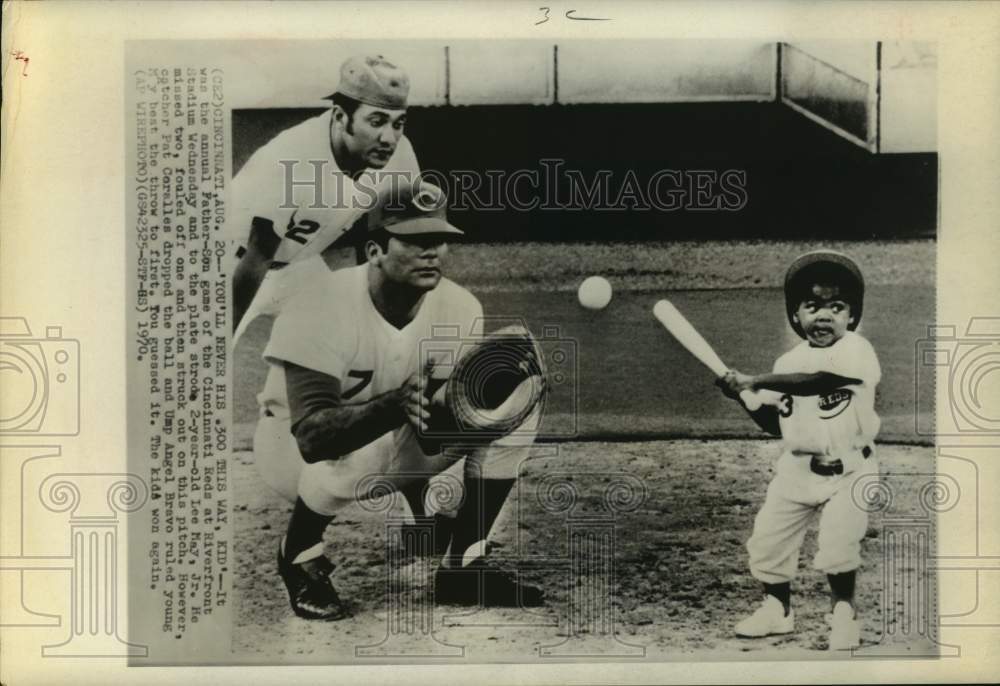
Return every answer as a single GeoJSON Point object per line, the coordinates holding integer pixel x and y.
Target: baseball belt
{"type": "Point", "coordinates": [834, 468]}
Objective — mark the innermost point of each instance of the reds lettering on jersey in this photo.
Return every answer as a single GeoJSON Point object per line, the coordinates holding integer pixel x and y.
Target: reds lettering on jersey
{"type": "Point", "coordinates": [322, 204]}
{"type": "Point", "coordinates": [837, 422]}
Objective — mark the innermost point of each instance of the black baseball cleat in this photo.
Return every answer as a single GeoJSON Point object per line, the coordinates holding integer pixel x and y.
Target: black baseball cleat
{"type": "Point", "coordinates": [310, 590]}
{"type": "Point", "coordinates": [482, 583]}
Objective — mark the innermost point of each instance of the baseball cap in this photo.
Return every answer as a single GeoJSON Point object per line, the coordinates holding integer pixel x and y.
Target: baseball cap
{"type": "Point", "coordinates": [824, 266]}
{"type": "Point", "coordinates": [375, 81]}
{"type": "Point", "coordinates": [412, 209]}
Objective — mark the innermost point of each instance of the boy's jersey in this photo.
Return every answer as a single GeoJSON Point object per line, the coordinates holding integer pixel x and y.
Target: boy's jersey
{"type": "Point", "coordinates": [838, 422]}
{"type": "Point", "coordinates": [312, 218]}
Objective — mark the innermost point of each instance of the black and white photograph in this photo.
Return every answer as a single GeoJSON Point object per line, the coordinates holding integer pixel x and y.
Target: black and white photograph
{"type": "Point", "coordinates": [442, 342]}
{"type": "Point", "coordinates": [612, 219]}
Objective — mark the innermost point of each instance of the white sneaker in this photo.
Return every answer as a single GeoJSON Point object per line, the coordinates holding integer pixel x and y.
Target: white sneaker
{"type": "Point", "coordinates": [769, 619]}
{"type": "Point", "coordinates": [845, 630]}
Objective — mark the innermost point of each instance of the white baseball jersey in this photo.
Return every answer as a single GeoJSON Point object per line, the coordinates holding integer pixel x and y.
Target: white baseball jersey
{"type": "Point", "coordinates": [838, 422]}
{"type": "Point", "coordinates": [307, 222]}
{"type": "Point", "coordinates": [343, 335]}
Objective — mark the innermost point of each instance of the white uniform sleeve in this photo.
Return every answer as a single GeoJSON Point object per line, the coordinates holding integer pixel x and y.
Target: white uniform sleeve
{"type": "Point", "coordinates": [313, 338]}
{"type": "Point", "coordinates": [253, 195]}
{"type": "Point", "coordinates": [784, 364]}
{"type": "Point", "coordinates": [237, 226]}
{"type": "Point", "coordinates": [853, 356]}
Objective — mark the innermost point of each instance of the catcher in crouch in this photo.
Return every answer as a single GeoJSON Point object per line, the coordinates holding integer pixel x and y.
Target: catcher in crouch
{"type": "Point", "coordinates": [352, 400]}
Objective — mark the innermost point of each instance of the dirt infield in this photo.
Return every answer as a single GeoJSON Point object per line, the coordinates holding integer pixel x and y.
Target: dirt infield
{"type": "Point", "coordinates": [684, 511]}
{"type": "Point", "coordinates": [679, 579]}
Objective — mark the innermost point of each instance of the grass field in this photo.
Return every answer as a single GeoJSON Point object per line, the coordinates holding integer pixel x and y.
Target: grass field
{"type": "Point", "coordinates": [625, 377]}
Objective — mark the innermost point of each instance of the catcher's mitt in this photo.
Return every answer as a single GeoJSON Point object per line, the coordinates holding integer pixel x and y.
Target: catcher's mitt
{"type": "Point", "coordinates": [494, 387]}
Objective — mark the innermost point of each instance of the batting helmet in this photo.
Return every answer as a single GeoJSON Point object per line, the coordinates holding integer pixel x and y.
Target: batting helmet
{"type": "Point", "coordinates": [825, 267]}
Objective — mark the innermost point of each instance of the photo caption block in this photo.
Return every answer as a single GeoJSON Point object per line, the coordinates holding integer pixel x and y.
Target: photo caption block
{"type": "Point", "coordinates": [179, 415]}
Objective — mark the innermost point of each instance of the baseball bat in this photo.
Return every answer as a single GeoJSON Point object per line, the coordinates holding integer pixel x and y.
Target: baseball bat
{"type": "Point", "coordinates": [681, 329]}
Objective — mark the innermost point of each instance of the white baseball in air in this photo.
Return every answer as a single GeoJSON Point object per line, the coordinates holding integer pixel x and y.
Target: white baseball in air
{"type": "Point", "coordinates": [594, 293]}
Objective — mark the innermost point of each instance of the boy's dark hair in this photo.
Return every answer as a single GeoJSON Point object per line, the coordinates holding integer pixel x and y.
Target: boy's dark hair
{"type": "Point", "coordinates": [349, 105]}
{"type": "Point", "coordinates": [825, 267]}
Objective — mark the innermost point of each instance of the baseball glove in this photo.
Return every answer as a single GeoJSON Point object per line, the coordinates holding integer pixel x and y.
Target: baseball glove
{"type": "Point", "coordinates": [494, 387]}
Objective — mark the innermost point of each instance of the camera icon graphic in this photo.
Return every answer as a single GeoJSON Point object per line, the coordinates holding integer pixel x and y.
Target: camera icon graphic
{"type": "Point", "coordinates": [40, 378]}
{"type": "Point", "coordinates": [493, 384]}
{"type": "Point", "coordinates": [968, 368]}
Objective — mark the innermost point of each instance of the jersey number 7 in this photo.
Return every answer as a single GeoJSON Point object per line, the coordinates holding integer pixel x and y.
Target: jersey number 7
{"type": "Point", "coordinates": [364, 378]}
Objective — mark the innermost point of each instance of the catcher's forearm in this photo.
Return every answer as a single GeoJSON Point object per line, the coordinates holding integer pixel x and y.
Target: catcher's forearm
{"type": "Point", "coordinates": [336, 431]}
{"type": "Point", "coordinates": [817, 383]}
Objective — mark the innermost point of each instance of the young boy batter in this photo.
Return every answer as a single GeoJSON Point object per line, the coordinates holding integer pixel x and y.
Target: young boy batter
{"type": "Point", "coordinates": [820, 400]}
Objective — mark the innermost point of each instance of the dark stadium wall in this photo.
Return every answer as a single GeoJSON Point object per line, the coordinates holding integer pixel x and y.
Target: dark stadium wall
{"type": "Point", "coordinates": [785, 176]}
